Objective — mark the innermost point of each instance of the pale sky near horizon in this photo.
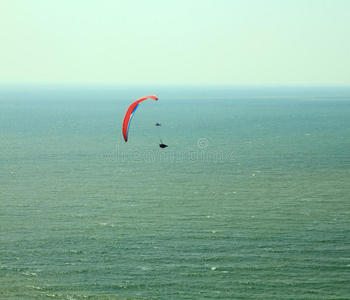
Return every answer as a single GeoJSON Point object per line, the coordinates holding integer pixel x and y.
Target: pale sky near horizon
{"type": "Point", "coordinates": [202, 42]}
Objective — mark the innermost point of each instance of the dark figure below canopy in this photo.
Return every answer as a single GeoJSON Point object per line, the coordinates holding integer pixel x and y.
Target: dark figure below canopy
{"type": "Point", "coordinates": [161, 145]}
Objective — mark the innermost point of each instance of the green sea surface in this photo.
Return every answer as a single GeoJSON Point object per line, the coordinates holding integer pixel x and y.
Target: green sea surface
{"type": "Point", "coordinates": [251, 200]}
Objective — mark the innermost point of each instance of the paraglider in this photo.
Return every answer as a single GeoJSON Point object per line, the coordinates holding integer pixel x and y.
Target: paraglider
{"type": "Point", "coordinates": [130, 113]}
{"type": "Point", "coordinates": [161, 145]}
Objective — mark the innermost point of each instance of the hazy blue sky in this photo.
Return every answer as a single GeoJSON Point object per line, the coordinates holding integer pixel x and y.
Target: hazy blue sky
{"type": "Point", "coordinates": [175, 42]}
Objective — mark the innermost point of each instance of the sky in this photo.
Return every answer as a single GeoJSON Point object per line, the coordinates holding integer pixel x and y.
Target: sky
{"type": "Point", "coordinates": [182, 42]}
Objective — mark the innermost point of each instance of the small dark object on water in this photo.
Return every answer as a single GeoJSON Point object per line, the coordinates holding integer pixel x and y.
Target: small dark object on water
{"type": "Point", "coordinates": [158, 124]}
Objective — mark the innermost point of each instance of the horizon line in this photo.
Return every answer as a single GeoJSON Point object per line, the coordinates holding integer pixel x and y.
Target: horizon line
{"type": "Point", "coordinates": [165, 85]}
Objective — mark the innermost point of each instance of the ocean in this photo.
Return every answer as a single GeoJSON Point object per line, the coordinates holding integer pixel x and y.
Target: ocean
{"type": "Point", "coordinates": [249, 201]}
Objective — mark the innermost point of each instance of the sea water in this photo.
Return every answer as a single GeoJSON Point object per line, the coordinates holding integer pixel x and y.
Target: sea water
{"type": "Point", "coordinates": [249, 201]}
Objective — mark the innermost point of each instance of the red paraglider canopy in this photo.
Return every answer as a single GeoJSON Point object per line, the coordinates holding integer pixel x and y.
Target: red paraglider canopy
{"type": "Point", "coordinates": [130, 113]}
